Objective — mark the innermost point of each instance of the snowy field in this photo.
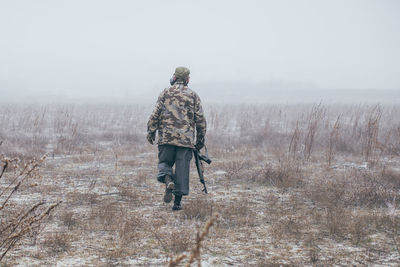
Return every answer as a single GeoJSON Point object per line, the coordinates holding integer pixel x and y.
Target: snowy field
{"type": "Point", "coordinates": [293, 185]}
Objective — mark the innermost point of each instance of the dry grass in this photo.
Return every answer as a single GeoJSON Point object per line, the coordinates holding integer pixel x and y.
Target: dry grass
{"type": "Point", "coordinates": [19, 220]}
{"type": "Point", "coordinates": [69, 219]}
{"type": "Point", "coordinates": [284, 175]}
{"type": "Point", "coordinates": [356, 188]}
{"type": "Point", "coordinates": [293, 185]}
{"type": "Point", "coordinates": [198, 208]}
{"type": "Point", "coordinates": [195, 254]}
{"type": "Point", "coordinates": [57, 243]}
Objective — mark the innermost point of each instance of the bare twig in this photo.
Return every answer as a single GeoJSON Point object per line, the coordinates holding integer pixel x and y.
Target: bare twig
{"type": "Point", "coordinates": [26, 226]}
{"type": "Point", "coordinates": [195, 252]}
{"type": "Point", "coordinates": [294, 141]}
{"type": "Point", "coordinates": [17, 225]}
{"type": "Point", "coordinates": [370, 143]}
{"type": "Point", "coordinates": [333, 138]}
{"type": "Point", "coordinates": [314, 119]}
{"type": "Point", "coordinates": [9, 196]}
{"type": "Point", "coordinates": [4, 168]}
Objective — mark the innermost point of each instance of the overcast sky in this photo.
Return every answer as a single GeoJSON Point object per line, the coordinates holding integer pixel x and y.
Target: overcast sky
{"type": "Point", "coordinates": [89, 47]}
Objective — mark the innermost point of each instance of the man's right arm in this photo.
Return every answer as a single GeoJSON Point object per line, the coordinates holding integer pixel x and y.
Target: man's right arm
{"type": "Point", "coordinates": [201, 125]}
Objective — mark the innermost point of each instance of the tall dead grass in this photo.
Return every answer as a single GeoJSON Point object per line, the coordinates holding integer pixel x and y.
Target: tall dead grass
{"type": "Point", "coordinates": [296, 173]}
{"type": "Point", "coordinates": [305, 131]}
{"type": "Point", "coordinates": [356, 188]}
{"type": "Point", "coordinates": [19, 219]}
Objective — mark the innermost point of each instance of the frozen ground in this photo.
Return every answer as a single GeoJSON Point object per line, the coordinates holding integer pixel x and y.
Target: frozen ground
{"type": "Point", "coordinates": [276, 206]}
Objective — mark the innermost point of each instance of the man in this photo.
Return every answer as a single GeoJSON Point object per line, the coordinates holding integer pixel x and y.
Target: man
{"type": "Point", "coordinates": [178, 117]}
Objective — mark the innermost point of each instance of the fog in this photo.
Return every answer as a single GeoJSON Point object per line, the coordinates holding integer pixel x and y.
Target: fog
{"type": "Point", "coordinates": [244, 50]}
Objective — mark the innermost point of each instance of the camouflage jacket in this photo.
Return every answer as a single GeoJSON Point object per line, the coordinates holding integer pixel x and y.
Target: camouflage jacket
{"type": "Point", "coordinates": [178, 116]}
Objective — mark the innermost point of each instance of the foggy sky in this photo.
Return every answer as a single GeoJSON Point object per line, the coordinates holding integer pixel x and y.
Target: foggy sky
{"type": "Point", "coordinates": [84, 48]}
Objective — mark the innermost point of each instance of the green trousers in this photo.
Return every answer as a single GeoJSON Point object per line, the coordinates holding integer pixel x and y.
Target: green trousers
{"type": "Point", "coordinates": [168, 156]}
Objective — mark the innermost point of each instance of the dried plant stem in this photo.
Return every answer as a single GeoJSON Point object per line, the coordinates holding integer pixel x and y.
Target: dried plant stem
{"type": "Point", "coordinates": [195, 252]}
{"type": "Point", "coordinates": [17, 224]}
{"type": "Point", "coordinates": [333, 138]}
{"type": "Point", "coordinates": [294, 141]}
{"type": "Point", "coordinates": [370, 144]}
{"type": "Point", "coordinates": [316, 115]}
{"type": "Point", "coordinates": [26, 225]}
{"type": "Point", "coordinates": [25, 173]}
{"type": "Point", "coordinates": [4, 168]}
{"type": "Point", "coordinates": [177, 260]}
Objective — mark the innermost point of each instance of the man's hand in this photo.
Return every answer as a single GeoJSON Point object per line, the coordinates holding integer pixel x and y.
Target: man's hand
{"type": "Point", "coordinates": [151, 137]}
{"type": "Point", "coordinates": [199, 144]}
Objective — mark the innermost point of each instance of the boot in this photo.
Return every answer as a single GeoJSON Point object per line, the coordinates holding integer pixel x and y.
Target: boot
{"type": "Point", "coordinates": [169, 187]}
{"type": "Point", "coordinates": [177, 203]}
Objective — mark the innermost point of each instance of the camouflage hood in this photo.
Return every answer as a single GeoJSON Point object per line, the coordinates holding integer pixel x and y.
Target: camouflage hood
{"type": "Point", "coordinates": [178, 117]}
{"type": "Point", "coordinates": [182, 73]}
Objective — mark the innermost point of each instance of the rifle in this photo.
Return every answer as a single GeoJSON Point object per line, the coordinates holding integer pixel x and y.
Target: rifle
{"type": "Point", "coordinates": [199, 165]}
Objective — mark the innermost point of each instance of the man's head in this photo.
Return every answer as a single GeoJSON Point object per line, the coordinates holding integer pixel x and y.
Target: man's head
{"type": "Point", "coordinates": [182, 73]}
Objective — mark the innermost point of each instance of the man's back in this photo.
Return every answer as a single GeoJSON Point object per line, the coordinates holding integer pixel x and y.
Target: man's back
{"type": "Point", "coordinates": [177, 116]}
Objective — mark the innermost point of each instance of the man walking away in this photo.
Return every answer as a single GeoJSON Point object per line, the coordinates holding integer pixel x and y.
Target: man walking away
{"type": "Point", "coordinates": [178, 117]}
